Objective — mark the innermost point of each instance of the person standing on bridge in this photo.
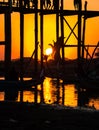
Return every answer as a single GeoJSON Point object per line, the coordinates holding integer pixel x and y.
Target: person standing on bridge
{"type": "Point", "coordinates": [34, 3]}
{"type": "Point", "coordinates": [48, 3]}
{"type": "Point", "coordinates": [56, 4]}
{"type": "Point", "coordinates": [26, 3]}
{"type": "Point", "coordinates": [77, 4]}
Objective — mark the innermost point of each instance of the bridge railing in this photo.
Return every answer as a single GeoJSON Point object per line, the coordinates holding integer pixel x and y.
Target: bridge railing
{"type": "Point", "coordinates": [19, 3]}
{"type": "Point", "coordinates": [24, 3]}
{"type": "Point", "coordinates": [4, 2]}
{"type": "Point", "coordinates": [31, 4]}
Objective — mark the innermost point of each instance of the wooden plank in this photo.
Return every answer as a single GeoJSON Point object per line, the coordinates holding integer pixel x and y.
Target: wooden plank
{"type": "Point", "coordinates": [81, 45]}
{"type": "Point", "coordinates": [2, 42]}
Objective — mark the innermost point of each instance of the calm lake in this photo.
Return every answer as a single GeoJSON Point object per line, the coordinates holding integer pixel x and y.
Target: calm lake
{"type": "Point", "coordinates": [51, 93]}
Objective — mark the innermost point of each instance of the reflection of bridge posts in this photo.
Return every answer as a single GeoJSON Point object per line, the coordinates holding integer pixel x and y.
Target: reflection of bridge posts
{"type": "Point", "coordinates": [21, 96]}
{"type": "Point", "coordinates": [63, 94]}
{"type": "Point", "coordinates": [11, 95]}
{"type": "Point", "coordinates": [42, 93]}
{"type": "Point", "coordinates": [58, 92]}
{"type": "Point", "coordinates": [82, 97]}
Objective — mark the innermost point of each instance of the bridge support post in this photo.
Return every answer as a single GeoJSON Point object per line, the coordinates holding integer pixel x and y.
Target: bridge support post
{"type": "Point", "coordinates": [7, 20]}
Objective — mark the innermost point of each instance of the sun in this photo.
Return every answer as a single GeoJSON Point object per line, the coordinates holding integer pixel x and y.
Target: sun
{"type": "Point", "coordinates": [48, 51]}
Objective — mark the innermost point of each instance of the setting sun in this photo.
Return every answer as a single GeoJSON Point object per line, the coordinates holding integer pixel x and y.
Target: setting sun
{"type": "Point", "coordinates": [48, 51]}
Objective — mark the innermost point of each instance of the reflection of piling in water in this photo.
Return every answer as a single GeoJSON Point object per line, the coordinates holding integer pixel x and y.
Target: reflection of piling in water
{"type": "Point", "coordinates": [58, 91]}
{"type": "Point", "coordinates": [13, 75]}
{"type": "Point", "coordinates": [11, 95]}
{"type": "Point", "coordinates": [82, 98]}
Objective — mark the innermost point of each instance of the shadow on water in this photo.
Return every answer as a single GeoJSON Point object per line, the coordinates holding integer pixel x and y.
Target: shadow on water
{"type": "Point", "coordinates": [88, 97]}
{"type": "Point", "coordinates": [53, 91]}
{"type": "Point", "coordinates": [11, 95]}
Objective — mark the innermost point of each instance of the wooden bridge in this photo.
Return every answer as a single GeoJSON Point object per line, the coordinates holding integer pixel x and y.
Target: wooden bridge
{"type": "Point", "coordinates": [39, 7]}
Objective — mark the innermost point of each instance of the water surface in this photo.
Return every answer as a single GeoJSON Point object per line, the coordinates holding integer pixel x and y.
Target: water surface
{"type": "Point", "coordinates": [52, 93]}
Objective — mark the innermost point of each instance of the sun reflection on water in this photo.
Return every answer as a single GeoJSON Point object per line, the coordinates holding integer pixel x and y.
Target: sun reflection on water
{"type": "Point", "coordinates": [1, 96]}
{"type": "Point", "coordinates": [70, 95]}
{"type": "Point", "coordinates": [51, 93]}
{"type": "Point", "coordinates": [94, 103]}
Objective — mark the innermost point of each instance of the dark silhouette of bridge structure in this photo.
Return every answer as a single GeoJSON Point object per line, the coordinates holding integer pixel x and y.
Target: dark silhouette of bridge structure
{"type": "Point", "coordinates": [43, 7]}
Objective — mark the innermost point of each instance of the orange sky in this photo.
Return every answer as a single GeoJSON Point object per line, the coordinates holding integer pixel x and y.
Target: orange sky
{"type": "Point", "coordinates": [92, 34]}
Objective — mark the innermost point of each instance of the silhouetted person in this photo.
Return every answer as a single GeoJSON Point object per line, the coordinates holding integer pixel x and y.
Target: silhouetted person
{"type": "Point", "coordinates": [56, 4]}
{"type": "Point", "coordinates": [44, 4]}
{"type": "Point", "coordinates": [48, 3]}
{"type": "Point", "coordinates": [34, 3]}
{"type": "Point", "coordinates": [13, 2]}
{"type": "Point", "coordinates": [85, 6]}
{"type": "Point", "coordinates": [77, 4]}
{"type": "Point", "coordinates": [26, 3]}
